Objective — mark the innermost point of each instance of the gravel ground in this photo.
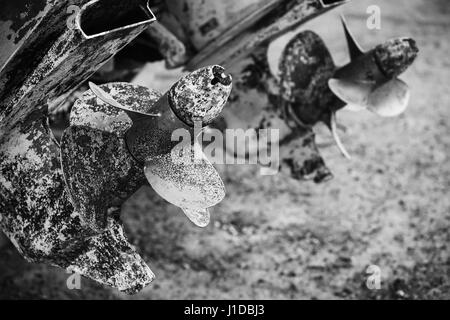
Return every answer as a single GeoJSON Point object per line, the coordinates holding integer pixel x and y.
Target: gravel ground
{"type": "Point", "coordinates": [275, 238]}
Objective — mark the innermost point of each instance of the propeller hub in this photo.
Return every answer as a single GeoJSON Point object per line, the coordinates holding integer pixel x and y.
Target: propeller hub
{"type": "Point", "coordinates": [395, 56]}
{"type": "Point", "coordinates": [200, 95]}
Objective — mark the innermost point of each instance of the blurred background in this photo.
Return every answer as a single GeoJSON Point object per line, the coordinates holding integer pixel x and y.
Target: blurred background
{"type": "Point", "coordinates": [277, 238]}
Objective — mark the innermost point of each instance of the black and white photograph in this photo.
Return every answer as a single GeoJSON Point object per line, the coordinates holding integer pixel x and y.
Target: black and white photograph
{"type": "Point", "coordinates": [207, 151]}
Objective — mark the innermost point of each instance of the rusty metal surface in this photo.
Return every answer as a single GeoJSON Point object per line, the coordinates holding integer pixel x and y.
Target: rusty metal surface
{"type": "Point", "coordinates": [292, 101]}
{"type": "Point", "coordinates": [99, 170]}
{"type": "Point", "coordinates": [92, 112]}
{"type": "Point", "coordinates": [370, 80]}
{"type": "Point", "coordinates": [257, 102]}
{"type": "Point", "coordinates": [295, 95]}
{"type": "Point", "coordinates": [306, 66]}
{"type": "Point", "coordinates": [17, 24]}
{"type": "Point", "coordinates": [78, 51]}
{"type": "Point", "coordinates": [21, 27]}
{"type": "Point", "coordinates": [36, 211]}
{"type": "Point", "coordinates": [63, 208]}
{"type": "Point", "coordinates": [395, 56]}
{"type": "Point", "coordinates": [191, 184]}
{"type": "Point", "coordinates": [201, 95]}
{"type": "Point", "coordinates": [108, 146]}
{"type": "Point", "coordinates": [152, 136]}
{"type": "Point", "coordinates": [32, 190]}
{"type": "Point", "coordinates": [39, 219]}
{"type": "Point", "coordinates": [261, 99]}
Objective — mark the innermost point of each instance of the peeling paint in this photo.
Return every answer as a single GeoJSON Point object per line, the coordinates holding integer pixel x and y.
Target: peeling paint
{"type": "Point", "coordinates": [36, 210]}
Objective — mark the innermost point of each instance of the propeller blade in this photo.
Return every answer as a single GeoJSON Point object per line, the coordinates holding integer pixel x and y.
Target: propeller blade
{"type": "Point", "coordinates": [390, 99]}
{"type": "Point", "coordinates": [351, 92]}
{"type": "Point", "coordinates": [305, 65]}
{"type": "Point", "coordinates": [353, 108]}
{"type": "Point", "coordinates": [110, 259]}
{"type": "Point", "coordinates": [95, 165]}
{"type": "Point", "coordinates": [354, 48]}
{"type": "Point", "coordinates": [189, 183]}
{"type": "Point", "coordinates": [340, 145]}
{"type": "Point", "coordinates": [107, 98]}
{"type": "Point", "coordinates": [200, 217]}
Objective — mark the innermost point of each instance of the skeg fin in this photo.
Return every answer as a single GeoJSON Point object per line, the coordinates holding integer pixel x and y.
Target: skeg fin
{"type": "Point", "coordinates": [354, 48]}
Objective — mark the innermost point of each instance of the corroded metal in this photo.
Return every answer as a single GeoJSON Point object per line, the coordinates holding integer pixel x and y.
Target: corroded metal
{"type": "Point", "coordinates": [197, 97]}
{"type": "Point", "coordinates": [63, 208]}
{"type": "Point", "coordinates": [296, 95]}
{"type": "Point", "coordinates": [260, 100]}
{"type": "Point", "coordinates": [99, 170]}
{"type": "Point", "coordinates": [42, 59]}
{"type": "Point", "coordinates": [189, 183]}
{"type": "Point", "coordinates": [39, 219]}
{"type": "Point", "coordinates": [16, 27]}
{"type": "Point", "coordinates": [22, 29]}
{"type": "Point", "coordinates": [305, 67]}
{"type": "Point", "coordinates": [190, 106]}
{"type": "Point", "coordinates": [307, 73]}
{"type": "Point", "coordinates": [237, 34]}
{"type": "Point", "coordinates": [101, 28]}
{"type": "Point", "coordinates": [370, 80]}
{"type": "Point", "coordinates": [113, 140]}
{"type": "Point", "coordinates": [395, 56]}
{"type": "Point", "coordinates": [382, 63]}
